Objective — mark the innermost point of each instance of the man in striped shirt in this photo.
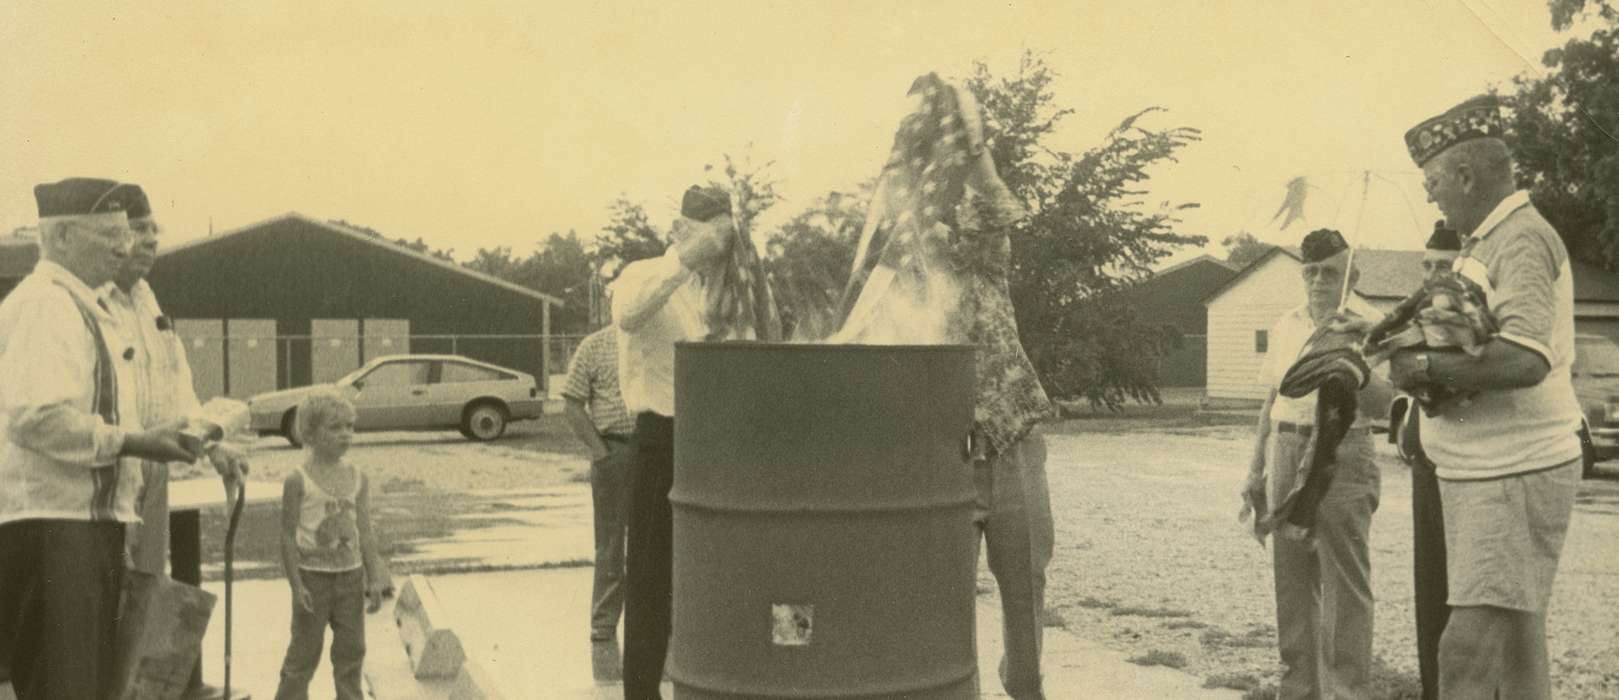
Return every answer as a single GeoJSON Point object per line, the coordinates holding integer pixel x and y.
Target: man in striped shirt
{"type": "Point", "coordinates": [66, 430]}
{"type": "Point", "coordinates": [162, 382]}
{"type": "Point", "coordinates": [597, 415]}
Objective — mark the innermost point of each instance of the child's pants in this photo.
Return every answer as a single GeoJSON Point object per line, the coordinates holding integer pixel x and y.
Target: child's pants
{"type": "Point", "coordinates": [339, 600]}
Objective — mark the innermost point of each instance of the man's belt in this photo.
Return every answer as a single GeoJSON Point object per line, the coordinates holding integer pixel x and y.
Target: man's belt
{"type": "Point", "coordinates": [1304, 429]}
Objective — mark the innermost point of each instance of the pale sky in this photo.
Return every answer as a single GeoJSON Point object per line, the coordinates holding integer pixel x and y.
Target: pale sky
{"type": "Point", "coordinates": [478, 124]}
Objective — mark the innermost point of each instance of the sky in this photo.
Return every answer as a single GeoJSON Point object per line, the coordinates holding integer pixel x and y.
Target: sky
{"type": "Point", "coordinates": [481, 124]}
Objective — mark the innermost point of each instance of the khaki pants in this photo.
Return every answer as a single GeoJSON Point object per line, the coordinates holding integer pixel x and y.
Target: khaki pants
{"type": "Point", "coordinates": [1323, 586]}
{"type": "Point", "coordinates": [1013, 512]}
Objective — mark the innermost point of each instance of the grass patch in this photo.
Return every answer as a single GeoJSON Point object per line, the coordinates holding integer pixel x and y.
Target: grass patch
{"type": "Point", "coordinates": [1158, 657]}
{"type": "Point", "coordinates": [1150, 612]}
{"type": "Point", "coordinates": [1095, 603]}
{"type": "Point", "coordinates": [1185, 625]}
{"type": "Point", "coordinates": [1256, 638]}
{"type": "Point", "coordinates": [1233, 681]}
{"type": "Point", "coordinates": [1053, 618]}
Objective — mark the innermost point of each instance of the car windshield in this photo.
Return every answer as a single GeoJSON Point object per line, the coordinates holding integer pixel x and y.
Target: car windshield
{"type": "Point", "coordinates": [1597, 358]}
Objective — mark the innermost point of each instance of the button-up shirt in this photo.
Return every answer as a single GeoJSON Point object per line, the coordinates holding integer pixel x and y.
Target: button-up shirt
{"type": "Point", "coordinates": [163, 386]}
{"type": "Point", "coordinates": [58, 457]}
{"type": "Point", "coordinates": [593, 380]}
{"type": "Point", "coordinates": [1286, 342]}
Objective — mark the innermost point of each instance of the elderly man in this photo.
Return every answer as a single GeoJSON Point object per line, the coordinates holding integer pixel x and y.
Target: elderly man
{"type": "Point", "coordinates": [657, 303]}
{"type": "Point", "coordinates": [1508, 460]}
{"type": "Point", "coordinates": [1323, 583]}
{"type": "Point", "coordinates": [596, 412]}
{"type": "Point", "coordinates": [63, 417]}
{"type": "Point", "coordinates": [163, 389]}
{"type": "Point", "coordinates": [1427, 517]}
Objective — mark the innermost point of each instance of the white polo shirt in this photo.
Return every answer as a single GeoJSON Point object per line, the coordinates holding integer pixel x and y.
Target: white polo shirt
{"type": "Point", "coordinates": [646, 352]}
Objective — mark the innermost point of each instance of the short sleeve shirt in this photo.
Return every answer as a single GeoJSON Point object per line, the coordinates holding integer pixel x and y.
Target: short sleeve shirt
{"type": "Point", "coordinates": [593, 379]}
{"type": "Point", "coordinates": [1521, 263]}
{"type": "Point", "coordinates": [1287, 340]}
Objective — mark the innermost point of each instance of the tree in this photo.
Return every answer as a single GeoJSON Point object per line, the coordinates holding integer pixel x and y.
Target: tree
{"type": "Point", "coordinates": [809, 259]}
{"type": "Point", "coordinates": [1242, 248]}
{"type": "Point", "coordinates": [1088, 235]}
{"type": "Point", "coordinates": [1564, 134]}
{"type": "Point", "coordinates": [419, 245]}
{"type": "Point", "coordinates": [628, 236]}
{"type": "Point", "coordinates": [560, 267]}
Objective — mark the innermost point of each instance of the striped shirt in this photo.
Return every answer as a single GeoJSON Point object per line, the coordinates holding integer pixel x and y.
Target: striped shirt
{"type": "Point", "coordinates": [593, 379]}
{"type": "Point", "coordinates": [163, 388]}
{"type": "Point", "coordinates": [58, 457]}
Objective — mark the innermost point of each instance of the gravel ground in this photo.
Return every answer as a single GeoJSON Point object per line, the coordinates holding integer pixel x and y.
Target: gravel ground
{"type": "Point", "coordinates": [1150, 559]}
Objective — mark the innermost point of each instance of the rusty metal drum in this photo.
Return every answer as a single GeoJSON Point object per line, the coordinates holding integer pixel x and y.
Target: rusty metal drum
{"type": "Point", "coordinates": [823, 537]}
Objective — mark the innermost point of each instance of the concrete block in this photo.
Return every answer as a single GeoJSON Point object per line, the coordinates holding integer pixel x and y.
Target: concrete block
{"type": "Point", "coordinates": [433, 648]}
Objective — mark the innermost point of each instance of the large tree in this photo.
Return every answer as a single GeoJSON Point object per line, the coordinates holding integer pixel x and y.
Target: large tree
{"type": "Point", "coordinates": [628, 236]}
{"type": "Point", "coordinates": [1564, 133]}
{"type": "Point", "coordinates": [1088, 235]}
{"type": "Point", "coordinates": [560, 267]}
{"type": "Point", "coordinates": [1242, 248]}
{"type": "Point", "coordinates": [810, 257]}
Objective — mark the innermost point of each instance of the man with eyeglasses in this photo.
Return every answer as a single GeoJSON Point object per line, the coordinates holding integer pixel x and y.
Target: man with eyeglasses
{"type": "Point", "coordinates": [163, 388]}
{"type": "Point", "coordinates": [66, 435]}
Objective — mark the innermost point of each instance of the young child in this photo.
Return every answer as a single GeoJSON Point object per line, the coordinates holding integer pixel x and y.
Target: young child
{"type": "Point", "coordinates": [328, 551]}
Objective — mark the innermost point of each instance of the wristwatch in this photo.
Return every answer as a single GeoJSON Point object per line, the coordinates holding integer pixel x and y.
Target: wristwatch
{"type": "Point", "coordinates": [1421, 375]}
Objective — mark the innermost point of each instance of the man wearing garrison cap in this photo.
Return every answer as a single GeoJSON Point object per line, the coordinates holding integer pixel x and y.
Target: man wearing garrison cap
{"type": "Point", "coordinates": [162, 387]}
{"type": "Point", "coordinates": [1323, 582]}
{"type": "Point", "coordinates": [657, 303]}
{"type": "Point", "coordinates": [1427, 518]}
{"type": "Point", "coordinates": [68, 493]}
{"type": "Point", "coordinates": [1508, 460]}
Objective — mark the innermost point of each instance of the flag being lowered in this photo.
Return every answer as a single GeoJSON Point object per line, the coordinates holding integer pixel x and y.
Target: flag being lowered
{"type": "Point", "coordinates": [1292, 208]}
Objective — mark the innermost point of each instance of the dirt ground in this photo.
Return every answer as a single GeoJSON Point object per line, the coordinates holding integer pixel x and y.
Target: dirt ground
{"type": "Point", "coordinates": [1150, 559]}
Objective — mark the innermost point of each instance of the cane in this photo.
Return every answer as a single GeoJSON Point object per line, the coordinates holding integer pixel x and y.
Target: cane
{"type": "Point", "coordinates": [230, 541]}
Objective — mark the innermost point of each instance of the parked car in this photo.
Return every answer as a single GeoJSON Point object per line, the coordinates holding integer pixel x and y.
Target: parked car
{"type": "Point", "coordinates": [416, 392]}
{"type": "Point", "coordinates": [1596, 382]}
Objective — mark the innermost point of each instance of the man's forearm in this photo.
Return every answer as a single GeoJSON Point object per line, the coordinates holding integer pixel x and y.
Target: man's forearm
{"type": "Point", "coordinates": [583, 428]}
{"type": "Point", "coordinates": [641, 302]}
{"type": "Point", "coordinates": [1502, 365]}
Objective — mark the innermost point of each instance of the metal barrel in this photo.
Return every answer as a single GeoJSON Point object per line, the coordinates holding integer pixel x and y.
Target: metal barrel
{"type": "Point", "coordinates": [823, 536]}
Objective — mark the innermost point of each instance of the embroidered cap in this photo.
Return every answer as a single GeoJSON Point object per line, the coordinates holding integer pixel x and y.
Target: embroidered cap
{"type": "Point", "coordinates": [1477, 118]}
{"type": "Point", "coordinates": [83, 196]}
{"type": "Point", "coordinates": [704, 203]}
{"type": "Point", "coordinates": [1321, 244]}
{"type": "Point", "coordinates": [1444, 237]}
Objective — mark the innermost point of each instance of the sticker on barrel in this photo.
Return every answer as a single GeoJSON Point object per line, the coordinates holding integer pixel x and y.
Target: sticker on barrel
{"type": "Point", "coordinates": [791, 624]}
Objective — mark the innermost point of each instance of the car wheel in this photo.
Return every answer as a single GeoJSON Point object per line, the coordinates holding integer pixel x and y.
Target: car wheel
{"type": "Point", "coordinates": [289, 427]}
{"type": "Point", "coordinates": [1588, 452]}
{"type": "Point", "coordinates": [484, 421]}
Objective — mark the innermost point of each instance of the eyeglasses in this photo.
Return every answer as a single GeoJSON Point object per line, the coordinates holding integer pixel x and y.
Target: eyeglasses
{"type": "Point", "coordinates": [146, 227]}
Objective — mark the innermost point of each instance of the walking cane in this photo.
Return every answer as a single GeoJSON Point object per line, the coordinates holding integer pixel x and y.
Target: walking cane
{"type": "Point", "coordinates": [230, 541]}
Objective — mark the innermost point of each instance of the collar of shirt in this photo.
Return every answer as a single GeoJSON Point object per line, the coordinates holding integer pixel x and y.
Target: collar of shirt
{"type": "Point", "coordinates": [1513, 202]}
{"type": "Point", "coordinates": [75, 286]}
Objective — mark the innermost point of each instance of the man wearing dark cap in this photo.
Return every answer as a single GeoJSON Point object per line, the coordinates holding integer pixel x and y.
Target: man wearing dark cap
{"type": "Point", "coordinates": [1508, 460]}
{"type": "Point", "coordinates": [1323, 583]}
{"type": "Point", "coordinates": [657, 303]}
{"type": "Point", "coordinates": [162, 382]}
{"type": "Point", "coordinates": [1427, 517]}
{"type": "Point", "coordinates": [68, 491]}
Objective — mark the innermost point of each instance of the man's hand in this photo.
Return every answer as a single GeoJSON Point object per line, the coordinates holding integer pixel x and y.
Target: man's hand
{"type": "Point", "coordinates": [599, 452]}
{"type": "Point", "coordinates": [705, 245]}
{"type": "Point", "coordinates": [160, 444]}
{"type": "Point", "coordinates": [229, 461]}
{"type": "Point", "coordinates": [1407, 371]}
{"type": "Point", "coordinates": [1253, 491]}
{"type": "Point", "coordinates": [1349, 322]}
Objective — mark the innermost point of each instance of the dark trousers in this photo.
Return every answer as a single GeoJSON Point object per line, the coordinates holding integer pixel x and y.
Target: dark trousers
{"type": "Point", "coordinates": [648, 570]}
{"type": "Point", "coordinates": [60, 582]}
{"type": "Point", "coordinates": [609, 490]}
{"type": "Point", "coordinates": [1428, 567]}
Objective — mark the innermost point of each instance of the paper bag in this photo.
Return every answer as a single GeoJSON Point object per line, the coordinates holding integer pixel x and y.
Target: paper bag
{"type": "Point", "coordinates": [160, 629]}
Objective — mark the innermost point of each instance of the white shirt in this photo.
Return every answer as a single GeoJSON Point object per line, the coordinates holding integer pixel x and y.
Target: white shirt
{"type": "Point", "coordinates": [1286, 343]}
{"type": "Point", "coordinates": [674, 298]}
{"type": "Point", "coordinates": [163, 385]}
{"type": "Point", "coordinates": [52, 443]}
